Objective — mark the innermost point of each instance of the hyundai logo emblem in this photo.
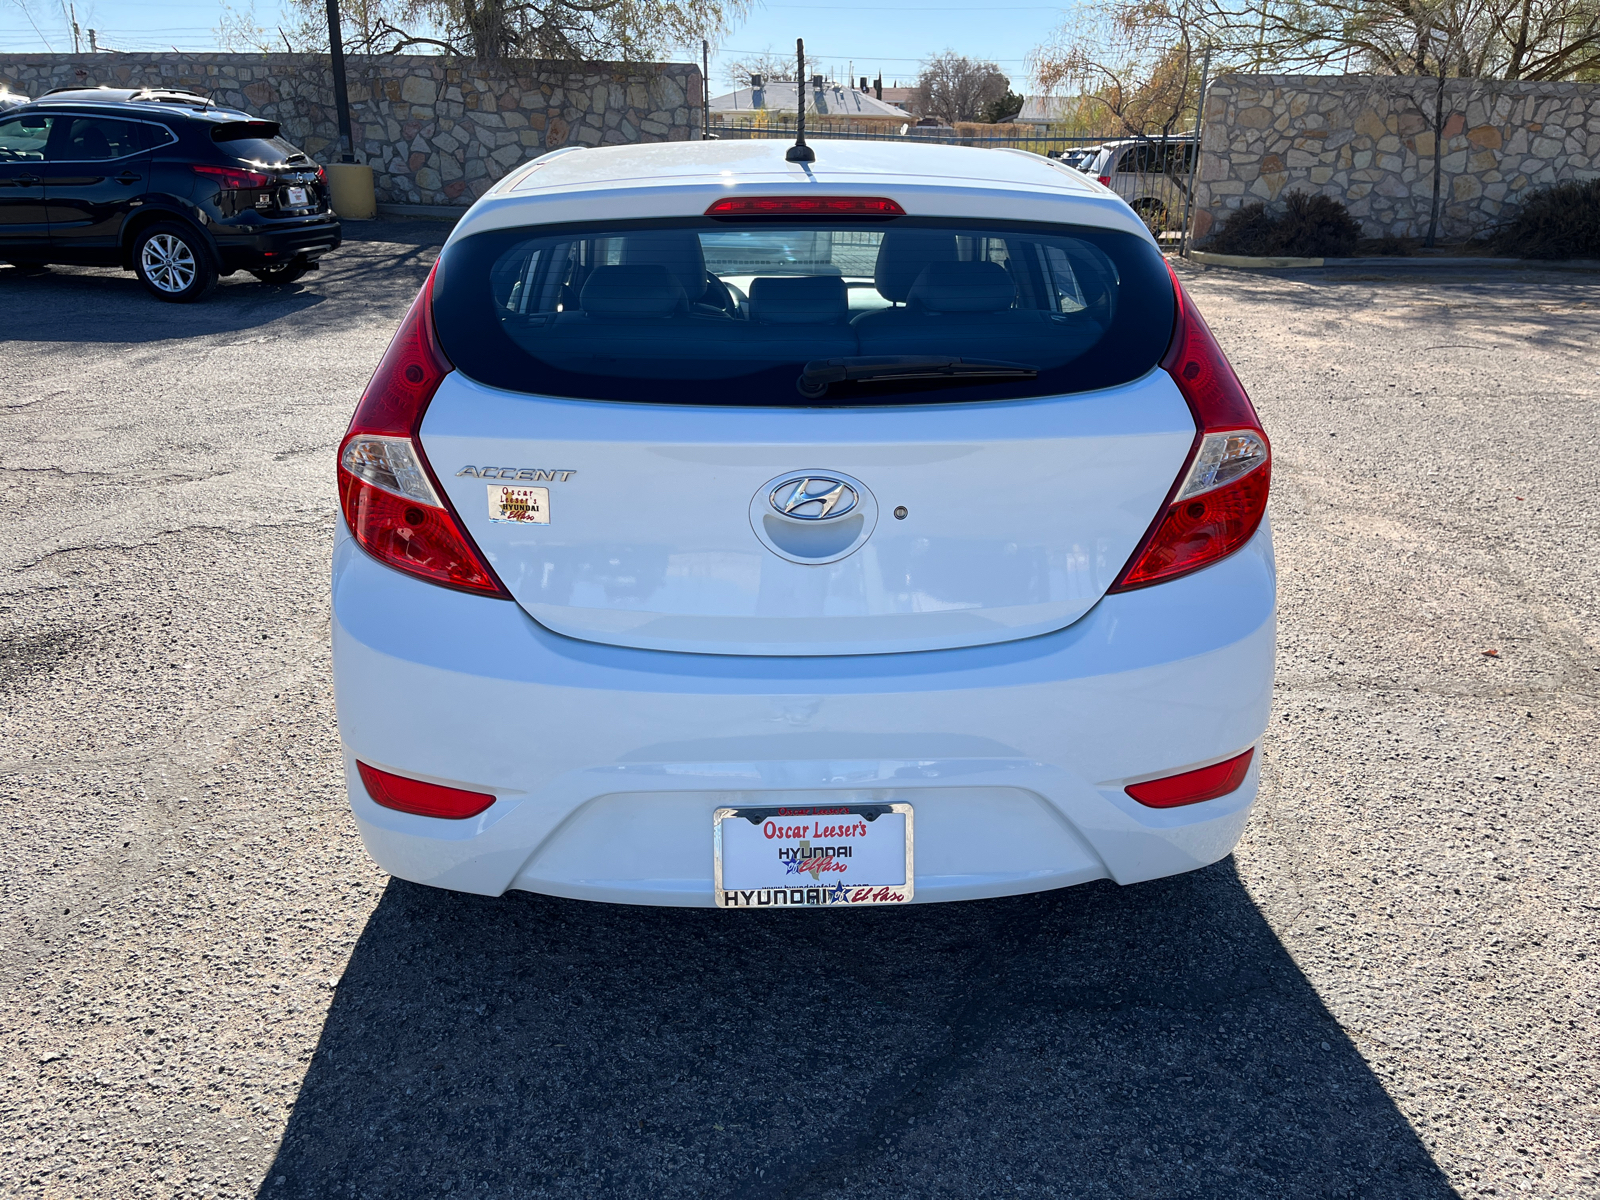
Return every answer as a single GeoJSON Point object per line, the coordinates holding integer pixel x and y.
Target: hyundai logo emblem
{"type": "Point", "coordinates": [813, 498]}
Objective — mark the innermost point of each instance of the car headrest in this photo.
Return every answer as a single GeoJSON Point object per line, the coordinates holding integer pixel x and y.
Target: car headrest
{"type": "Point", "coordinates": [963, 287]}
{"type": "Point", "coordinates": [799, 299]}
{"type": "Point", "coordinates": [645, 290]}
{"type": "Point", "coordinates": [903, 253]}
{"type": "Point", "coordinates": [676, 250]}
{"type": "Point", "coordinates": [92, 143]}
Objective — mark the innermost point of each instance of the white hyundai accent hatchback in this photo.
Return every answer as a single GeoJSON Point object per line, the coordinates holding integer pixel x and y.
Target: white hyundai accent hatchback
{"type": "Point", "coordinates": [723, 530]}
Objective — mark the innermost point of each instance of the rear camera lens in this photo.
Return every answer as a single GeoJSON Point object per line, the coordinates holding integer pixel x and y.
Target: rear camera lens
{"type": "Point", "coordinates": [901, 512]}
{"type": "Point", "coordinates": [413, 516]}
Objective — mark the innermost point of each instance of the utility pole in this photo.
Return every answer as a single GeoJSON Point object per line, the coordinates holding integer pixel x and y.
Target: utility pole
{"type": "Point", "coordinates": [72, 16]}
{"type": "Point", "coordinates": [341, 96]}
{"type": "Point", "coordinates": [705, 87]}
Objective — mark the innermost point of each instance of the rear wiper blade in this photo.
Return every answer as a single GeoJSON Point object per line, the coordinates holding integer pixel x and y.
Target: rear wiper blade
{"type": "Point", "coordinates": [821, 373]}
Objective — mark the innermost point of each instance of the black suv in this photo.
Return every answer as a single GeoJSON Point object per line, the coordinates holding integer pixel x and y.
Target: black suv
{"type": "Point", "coordinates": [161, 183]}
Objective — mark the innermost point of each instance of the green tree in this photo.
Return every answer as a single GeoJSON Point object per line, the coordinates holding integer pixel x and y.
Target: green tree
{"type": "Point", "coordinates": [1002, 108]}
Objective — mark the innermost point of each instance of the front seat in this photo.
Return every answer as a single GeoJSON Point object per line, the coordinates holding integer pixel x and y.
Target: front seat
{"type": "Point", "coordinates": [91, 144]}
{"type": "Point", "coordinates": [903, 254]}
{"type": "Point", "coordinates": [681, 255]}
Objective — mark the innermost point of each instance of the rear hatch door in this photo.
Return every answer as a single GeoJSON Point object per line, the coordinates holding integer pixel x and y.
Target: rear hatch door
{"type": "Point", "coordinates": [659, 529]}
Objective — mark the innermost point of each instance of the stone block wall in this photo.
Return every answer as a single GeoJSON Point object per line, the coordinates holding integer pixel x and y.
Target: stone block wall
{"type": "Point", "coordinates": [1368, 142]}
{"type": "Point", "coordinates": [435, 130]}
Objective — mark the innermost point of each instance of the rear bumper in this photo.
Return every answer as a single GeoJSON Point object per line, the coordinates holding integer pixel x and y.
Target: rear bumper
{"type": "Point", "coordinates": [608, 762]}
{"type": "Point", "coordinates": [264, 245]}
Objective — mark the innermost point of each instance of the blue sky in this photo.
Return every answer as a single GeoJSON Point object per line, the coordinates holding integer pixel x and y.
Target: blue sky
{"type": "Point", "coordinates": [891, 36]}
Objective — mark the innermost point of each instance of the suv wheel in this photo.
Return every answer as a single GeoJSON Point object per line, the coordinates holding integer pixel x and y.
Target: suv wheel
{"type": "Point", "coordinates": [174, 263]}
{"type": "Point", "coordinates": [284, 272]}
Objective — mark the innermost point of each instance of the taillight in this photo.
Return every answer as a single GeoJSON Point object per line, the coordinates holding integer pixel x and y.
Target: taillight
{"type": "Point", "coordinates": [423, 799]}
{"type": "Point", "coordinates": [1192, 787]}
{"type": "Point", "coordinates": [1220, 496]}
{"type": "Point", "coordinates": [1103, 180]}
{"type": "Point", "coordinates": [391, 501]}
{"type": "Point", "coordinates": [234, 177]}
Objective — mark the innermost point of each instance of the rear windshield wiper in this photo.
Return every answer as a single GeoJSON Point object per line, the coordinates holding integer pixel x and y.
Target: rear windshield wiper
{"type": "Point", "coordinates": [820, 373]}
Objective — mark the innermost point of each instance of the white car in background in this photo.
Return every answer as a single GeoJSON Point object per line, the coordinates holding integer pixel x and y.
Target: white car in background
{"type": "Point", "coordinates": [1150, 174]}
{"type": "Point", "coordinates": [724, 530]}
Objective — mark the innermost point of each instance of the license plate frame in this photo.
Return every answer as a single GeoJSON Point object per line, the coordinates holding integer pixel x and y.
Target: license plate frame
{"type": "Point", "coordinates": [827, 821]}
{"type": "Point", "coordinates": [298, 197]}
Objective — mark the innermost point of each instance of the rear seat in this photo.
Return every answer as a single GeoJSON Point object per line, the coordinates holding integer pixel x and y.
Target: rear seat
{"type": "Point", "coordinates": [948, 306]}
{"type": "Point", "coordinates": [958, 308]}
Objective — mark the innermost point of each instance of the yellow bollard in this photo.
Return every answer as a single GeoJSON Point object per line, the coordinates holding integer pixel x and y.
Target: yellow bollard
{"type": "Point", "coordinates": [351, 188]}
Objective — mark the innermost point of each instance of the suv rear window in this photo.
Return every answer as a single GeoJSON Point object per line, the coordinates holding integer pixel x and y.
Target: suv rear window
{"type": "Point", "coordinates": [702, 312]}
{"type": "Point", "coordinates": [255, 141]}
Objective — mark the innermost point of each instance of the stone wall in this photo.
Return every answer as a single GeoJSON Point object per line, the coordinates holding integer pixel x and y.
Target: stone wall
{"type": "Point", "coordinates": [1368, 141]}
{"type": "Point", "coordinates": [435, 130]}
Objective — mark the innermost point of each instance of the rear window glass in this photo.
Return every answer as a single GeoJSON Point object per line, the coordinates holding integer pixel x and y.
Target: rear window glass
{"type": "Point", "coordinates": [255, 141]}
{"type": "Point", "coordinates": [699, 312]}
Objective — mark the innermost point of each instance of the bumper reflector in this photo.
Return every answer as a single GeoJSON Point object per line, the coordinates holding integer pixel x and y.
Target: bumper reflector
{"type": "Point", "coordinates": [1192, 786]}
{"type": "Point", "coordinates": [423, 799]}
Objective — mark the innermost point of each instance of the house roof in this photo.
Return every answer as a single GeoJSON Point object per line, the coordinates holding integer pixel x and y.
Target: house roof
{"type": "Point", "coordinates": [830, 100]}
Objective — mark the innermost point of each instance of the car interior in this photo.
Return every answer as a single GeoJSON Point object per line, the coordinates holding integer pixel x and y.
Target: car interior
{"type": "Point", "coordinates": [636, 302]}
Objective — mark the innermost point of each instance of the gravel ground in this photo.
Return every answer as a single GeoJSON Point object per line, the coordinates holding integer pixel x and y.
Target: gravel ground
{"type": "Point", "coordinates": [206, 989]}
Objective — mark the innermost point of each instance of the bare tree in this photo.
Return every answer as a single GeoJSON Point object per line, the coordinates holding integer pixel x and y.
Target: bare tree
{"type": "Point", "coordinates": [774, 68]}
{"type": "Point", "coordinates": [1137, 60]}
{"type": "Point", "coordinates": [953, 87]}
{"type": "Point", "coordinates": [1534, 40]}
{"type": "Point", "coordinates": [490, 30]}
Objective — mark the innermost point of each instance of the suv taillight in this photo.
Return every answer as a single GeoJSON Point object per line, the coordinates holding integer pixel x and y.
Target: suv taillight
{"type": "Point", "coordinates": [1220, 496]}
{"type": "Point", "coordinates": [233, 178]}
{"type": "Point", "coordinates": [391, 500]}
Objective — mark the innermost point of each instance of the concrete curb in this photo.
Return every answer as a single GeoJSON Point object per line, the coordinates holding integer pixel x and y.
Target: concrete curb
{"type": "Point", "coordinates": [1392, 262]}
{"type": "Point", "coordinates": [1249, 261]}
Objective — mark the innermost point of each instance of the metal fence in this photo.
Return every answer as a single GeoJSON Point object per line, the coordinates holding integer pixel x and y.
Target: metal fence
{"type": "Point", "coordinates": [1153, 174]}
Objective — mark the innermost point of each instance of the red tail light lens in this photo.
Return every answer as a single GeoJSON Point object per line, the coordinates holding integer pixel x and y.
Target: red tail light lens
{"type": "Point", "coordinates": [233, 177]}
{"type": "Point", "coordinates": [1103, 180]}
{"type": "Point", "coordinates": [1220, 496]}
{"type": "Point", "coordinates": [391, 500]}
{"type": "Point", "coordinates": [423, 799]}
{"type": "Point", "coordinates": [1192, 787]}
{"type": "Point", "coordinates": [805, 206]}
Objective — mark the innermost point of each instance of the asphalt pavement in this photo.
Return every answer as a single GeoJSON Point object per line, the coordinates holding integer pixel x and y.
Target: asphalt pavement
{"type": "Point", "coordinates": [207, 989]}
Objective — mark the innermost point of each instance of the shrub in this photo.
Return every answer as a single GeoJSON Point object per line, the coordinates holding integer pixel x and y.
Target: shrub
{"type": "Point", "coordinates": [1308, 226]}
{"type": "Point", "coordinates": [1555, 222]}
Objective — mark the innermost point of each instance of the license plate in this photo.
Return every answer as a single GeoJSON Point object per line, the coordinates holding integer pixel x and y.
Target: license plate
{"type": "Point", "coordinates": [298, 197]}
{"type": "Point", "coordinates": [523, 505]}
{"type": "Point", "coordinates": [813, 856]}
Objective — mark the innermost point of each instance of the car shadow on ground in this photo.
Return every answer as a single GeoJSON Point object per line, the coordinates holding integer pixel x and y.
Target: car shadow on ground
{"type": "Point", "coordinates": [1152, 1041]}
{"type": "Point", "coordinates": [379, 267]}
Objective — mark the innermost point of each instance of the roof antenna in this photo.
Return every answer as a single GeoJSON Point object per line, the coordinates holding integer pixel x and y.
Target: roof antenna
{"type": "Point", "coordinates": [800, 152]}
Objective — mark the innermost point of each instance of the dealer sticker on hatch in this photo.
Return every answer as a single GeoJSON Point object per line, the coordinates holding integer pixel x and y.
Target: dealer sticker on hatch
{"type": "Point", "coordinates": [523, 505]}
{"type": "Point", "coordinates": [812, 856]}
